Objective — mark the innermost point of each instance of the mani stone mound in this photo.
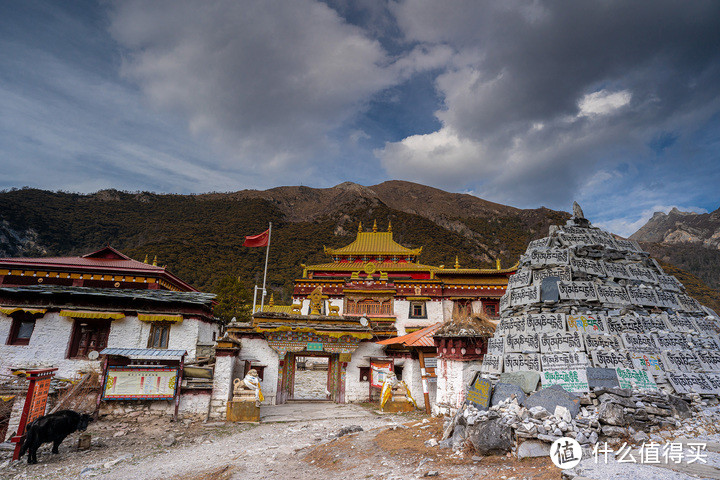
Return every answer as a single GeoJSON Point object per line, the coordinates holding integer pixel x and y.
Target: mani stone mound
{"type": "Point", "coordinates": [584, 303]}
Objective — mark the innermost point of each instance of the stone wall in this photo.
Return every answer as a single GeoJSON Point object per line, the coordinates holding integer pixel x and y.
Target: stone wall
{"type": "Point", "coordinates": [192, 405]}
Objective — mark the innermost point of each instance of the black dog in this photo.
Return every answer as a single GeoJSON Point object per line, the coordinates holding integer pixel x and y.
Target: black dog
{"type": "Point", "coordinates": [52, 428]}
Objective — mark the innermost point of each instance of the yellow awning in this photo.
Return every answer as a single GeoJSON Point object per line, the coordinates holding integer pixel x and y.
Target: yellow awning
{"type": "Point", "coordinates": [11, 310]}
{"type": "Point", "coordinates": [91, 314]}
{"type": "Point", "coordinates": [147, 317]}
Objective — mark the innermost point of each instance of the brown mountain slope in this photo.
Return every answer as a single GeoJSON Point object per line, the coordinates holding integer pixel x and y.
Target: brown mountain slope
{"type": "Point", "coordinates": [200, 237]}
{"type": "Point", "coordinates": [688, 240]}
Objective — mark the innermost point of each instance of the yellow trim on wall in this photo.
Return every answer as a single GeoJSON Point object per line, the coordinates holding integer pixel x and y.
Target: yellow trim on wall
{"type": "Point", "coordinates": [91, 314]}
{"type": "Point", "coordinates": [11, 310]}
{"type": "Point", "coordinates": [149, 317]}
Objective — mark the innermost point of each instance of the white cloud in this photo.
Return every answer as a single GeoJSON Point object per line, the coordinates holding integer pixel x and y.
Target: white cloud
{"type": "Point", "coordinates": [603, 102]}
{"type": "Point", "coordinates": [442, 155]}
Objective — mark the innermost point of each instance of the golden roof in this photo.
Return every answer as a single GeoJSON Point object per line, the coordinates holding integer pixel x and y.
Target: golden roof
{"type": "Point", "coordinates": [375, 244]}
{"type": "Point", "coordinates": [379, 267]}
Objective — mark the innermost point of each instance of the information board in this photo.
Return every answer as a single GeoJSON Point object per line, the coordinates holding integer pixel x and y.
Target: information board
{"type": "Point", "coordinates": [140, 383]}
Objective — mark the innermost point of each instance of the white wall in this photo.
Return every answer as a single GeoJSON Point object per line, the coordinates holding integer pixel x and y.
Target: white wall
{"type": "Point", "coordinates": [453, 378]}
{"type": "Point", "coordinates": [258, 350]}
{"type": "Point", "coordinates": [433, 309]}
{"type": "Point", "coordinates": [49, 342]}
{"type": "Point", "coordinates": [356, 390]}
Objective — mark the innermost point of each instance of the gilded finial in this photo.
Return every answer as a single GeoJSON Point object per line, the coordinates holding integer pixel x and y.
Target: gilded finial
{"type": "Point", "coordinates": [360, 227]}
{"type": "Point", "coordinates": [146, 259]}
{"type": "Point", "coordinates": [497, 264]}
{"type": "Point", "coordinates": [155, 261]}
{"type": "Point", "coordinates": [389, 226]}
{"type": "Point", "coordinates": [457, 262]}
{"type": "Point", "coordinates": [375, 226]}
{"type": "Point", "coordinates": [272, 300]}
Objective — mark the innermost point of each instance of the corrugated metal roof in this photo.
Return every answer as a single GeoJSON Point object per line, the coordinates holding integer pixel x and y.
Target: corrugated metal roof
{"type": "Point", "coordinates": [144, 353]}
{"type": "Point", "coordinates": [374, 243]}
{"type": "Point", "coordinates": [420, 338]}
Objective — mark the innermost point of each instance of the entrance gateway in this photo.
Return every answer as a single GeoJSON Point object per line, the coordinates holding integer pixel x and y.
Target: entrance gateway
{"type": "Point", "coordinates": [334, 338]}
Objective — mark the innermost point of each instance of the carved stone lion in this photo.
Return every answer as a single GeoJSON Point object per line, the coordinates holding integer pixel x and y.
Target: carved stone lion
{"type": "Point", "coordinates": [248, 387]}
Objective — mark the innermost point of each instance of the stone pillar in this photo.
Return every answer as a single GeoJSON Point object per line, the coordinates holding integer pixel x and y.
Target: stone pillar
{"type": "Point", "coordinates": [226, 353]}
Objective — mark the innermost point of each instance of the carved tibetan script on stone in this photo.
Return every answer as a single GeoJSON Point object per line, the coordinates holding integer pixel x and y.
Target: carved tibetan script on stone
{"type": "Point", "coordinates": [492, 364]}
{"type": "Point", "coordinates": [549, 257]}
{"type": "Point", "coordinates": [518, 362]}
{"type": "Point", "coordinates": [605, 342]}
{"type": "Point", "coordinates": [561, 342]}
{"type": "Point", "coordinates": [586, 323]}
{"type": "Point", "coordinates": [524, 342]}
{"type": "Point", "coordinates": [577, 291]}
{"type": "Point", "coordinates": [544, 322]}
{"type": "Point", "coordinates": [564, 360]}
{"type": "Point", "coordinates": [612, 294]}
{"type": "Point", "coordinates": [521, 278]}
{"type": "Point", "coordinates": [525, 295]}
{"type": "Point", "coordinates": [610, 359]}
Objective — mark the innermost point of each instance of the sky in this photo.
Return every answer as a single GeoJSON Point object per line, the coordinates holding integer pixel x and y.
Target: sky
{"type": "Point", "coordinates": [615, 104]}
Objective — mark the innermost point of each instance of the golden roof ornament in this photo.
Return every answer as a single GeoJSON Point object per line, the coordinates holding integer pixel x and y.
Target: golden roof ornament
{"type": "Point", "coordinates": [155, 261]}
{"type": "Point", "coordinates": [360, 227]}
{"type": "Point", "coordinates": [272, 300]}
{"type": "Point", "coordinates": [375, 226]}
{"type": "Point", "coordinates": [457, 262]}
{"type": "Point", "coordinates": [146, 259]}
{"type": "Point", "coordinates": [497, 264]}
{"type": "Point", "coordinates": [389, 226]}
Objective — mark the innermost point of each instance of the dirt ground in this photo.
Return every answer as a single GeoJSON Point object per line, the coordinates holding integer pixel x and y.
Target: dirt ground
{"type": "Point", "coordinates": [389, 447]}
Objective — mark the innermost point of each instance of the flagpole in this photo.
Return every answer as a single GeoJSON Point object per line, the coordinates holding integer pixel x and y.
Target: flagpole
{"type": "Point", "coordinates": [267, 254]}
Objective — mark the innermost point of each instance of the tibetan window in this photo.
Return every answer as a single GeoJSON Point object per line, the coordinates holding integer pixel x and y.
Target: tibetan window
{"type": "Point", "coordinates": [89, 334]}
{"type": "Point", "coordinates": [23, 325]}
{"type": "Point", "coordinates": [417, 310]}
{"type": "Point", "coordinates": [159, 335]}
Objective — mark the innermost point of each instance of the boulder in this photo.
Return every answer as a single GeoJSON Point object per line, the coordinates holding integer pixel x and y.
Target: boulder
{"type": "Point", "coordinates": [533, 448]}
{"type": "Point", "coordinates": [350, 429]}
{"type": "Point", "coordinates": [491, 437]}
{"type": "Point", "coordinates": [612, 431]}
{"type": "Point", "coordinates": [680, 407]}
{"type": "Point", "coordinates": [551, 397]}
{"type": "Point", "coordinates": [612, 398]}
{"type": "Point", "coordinates": [504, 391]}
{"type": "Point", "coordinates": [612, 414]}
{"type": "Point", "coordinates": [458, 437]}
{"type": "Point", "coordinates": [527, 380]}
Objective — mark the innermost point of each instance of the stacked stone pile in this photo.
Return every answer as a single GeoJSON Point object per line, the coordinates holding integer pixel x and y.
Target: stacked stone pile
{"type": "Point", "coordinates": [582, 298]}
{"type": "Point", "coordinates": [607, 414]}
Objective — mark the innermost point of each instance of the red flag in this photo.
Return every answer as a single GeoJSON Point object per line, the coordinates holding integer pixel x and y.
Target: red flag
{"type": "Point", "coordinates": [260, 240]}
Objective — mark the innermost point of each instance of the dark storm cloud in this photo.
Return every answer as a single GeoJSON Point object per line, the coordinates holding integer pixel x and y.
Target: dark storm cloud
{"type": "Point", "coordinates": [551, 92]}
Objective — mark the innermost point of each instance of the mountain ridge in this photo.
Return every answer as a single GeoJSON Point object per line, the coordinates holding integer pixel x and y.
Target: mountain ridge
{"type": "Point", "coordinates": [200, 236]}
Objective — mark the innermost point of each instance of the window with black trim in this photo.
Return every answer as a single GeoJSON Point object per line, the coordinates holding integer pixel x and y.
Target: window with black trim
{"type": "Point", "coordinates": [22, 328]}
{"type": "Point", "coordinates": [417, 310]}
{"type": "Point", "coordinates": [159, 335]}
{"type": "Point", "coordinates": [88, 335]}
{"type": "Point", "coordinates": [364, 374]}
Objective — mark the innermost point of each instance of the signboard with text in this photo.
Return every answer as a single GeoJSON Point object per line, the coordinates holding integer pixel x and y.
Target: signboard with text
{"type": "Point", "coordinates": [140, 383]}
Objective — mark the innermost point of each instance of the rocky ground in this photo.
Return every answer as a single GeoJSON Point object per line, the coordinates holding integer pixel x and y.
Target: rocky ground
{"type": "Point", "coordinates": [301, 441]}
